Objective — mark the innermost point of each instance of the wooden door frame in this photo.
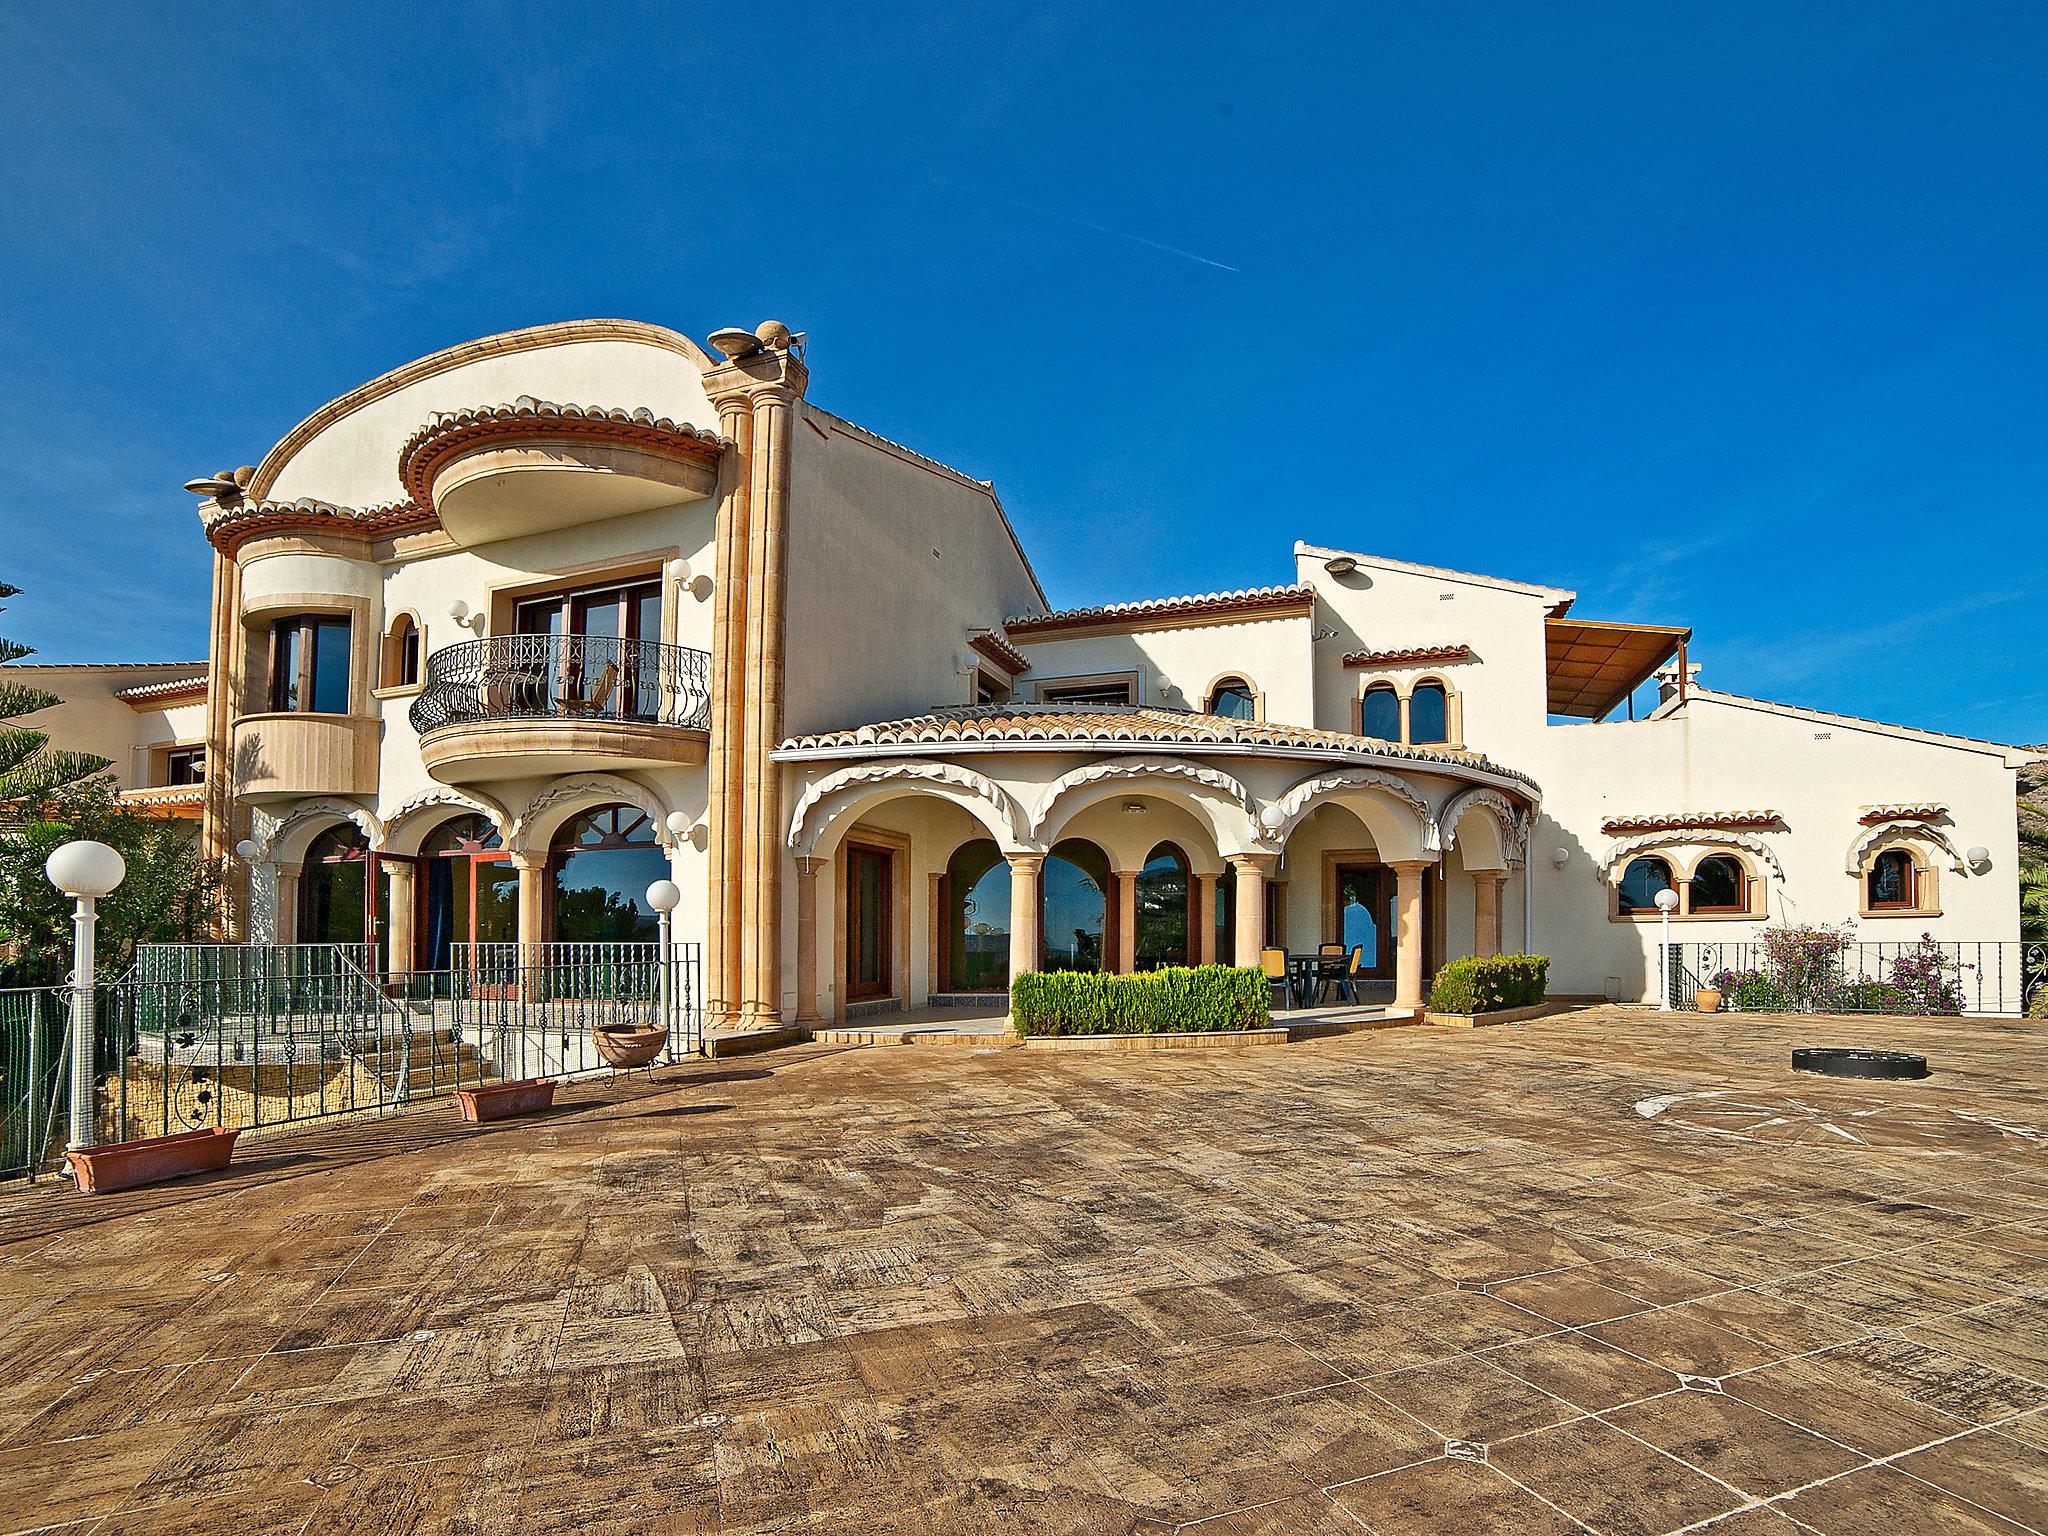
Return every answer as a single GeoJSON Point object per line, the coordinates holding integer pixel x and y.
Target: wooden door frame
{"type": "Point", "coordinates": [896, 847]}
{"type": "Point", "coordinates": [1335, 859]}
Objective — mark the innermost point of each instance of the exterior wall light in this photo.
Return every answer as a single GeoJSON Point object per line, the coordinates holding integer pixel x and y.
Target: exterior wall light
{"type": "Point", "coordinates": [1343, 565]}
{"type": "Point", "coordinates": [1667, 899]}
{"type": "Point", "coordinates": [459, 611]}
{"type": "Point", "coordinates": [1978, 858]}
{"type": "Point", "coordinates": [84, 871]}
{"type": "Point", "coordinates": [1561, 857]}
{"type": "Point", "coordinates": [1271, 818]}
{"type": "Point", "coordinates": [248, 850]}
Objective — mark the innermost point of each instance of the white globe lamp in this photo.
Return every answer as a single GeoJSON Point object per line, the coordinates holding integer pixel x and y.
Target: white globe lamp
{"type": "Point", "coordinates": [84, 871]}
{"type": "Point", "coordinates": [1667, 903]}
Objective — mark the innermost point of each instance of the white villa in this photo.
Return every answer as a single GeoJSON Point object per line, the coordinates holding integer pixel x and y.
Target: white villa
{"type": "Point", "coordinates": [504, 634]}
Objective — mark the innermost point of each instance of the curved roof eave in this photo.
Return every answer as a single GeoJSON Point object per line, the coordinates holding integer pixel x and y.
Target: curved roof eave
{"type": "Point", "coordinates": [531, 339]}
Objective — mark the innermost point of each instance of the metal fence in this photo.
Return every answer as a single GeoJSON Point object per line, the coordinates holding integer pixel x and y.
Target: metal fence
{"type": "Point", "coordinates": [259, 1035]}
{"type": "Point", "coordinates": [34, 1041]}
{"type": "Point", "coordinates": [1925, 976]}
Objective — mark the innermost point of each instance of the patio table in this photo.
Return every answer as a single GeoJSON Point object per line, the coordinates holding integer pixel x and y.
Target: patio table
{"type": "Point", "coordinates": [1305, 971]}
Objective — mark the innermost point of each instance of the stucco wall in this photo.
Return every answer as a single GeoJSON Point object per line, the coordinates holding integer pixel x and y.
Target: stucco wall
{"type": "Point", "coordinates": [1272, 654]}
{"type": "Point", "coordinates": [90, 719]}
{"type": "Point", "coordinates": [891, 564]}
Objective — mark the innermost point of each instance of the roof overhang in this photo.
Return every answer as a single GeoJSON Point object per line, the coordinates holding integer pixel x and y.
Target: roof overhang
{"type": "Point", "coordinates": [1592, 667]}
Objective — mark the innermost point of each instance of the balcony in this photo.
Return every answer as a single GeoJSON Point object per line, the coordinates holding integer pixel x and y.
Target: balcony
{"type": "Point", "coordinates": [281, 756]}
{"type": "Point", "coordinates": [513, 706]}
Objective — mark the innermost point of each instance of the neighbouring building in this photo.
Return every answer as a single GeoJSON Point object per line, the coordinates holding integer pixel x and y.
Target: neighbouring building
{"type": "Point", "coordinates": [503, 635]}
{"type": "Point", "coordinates": [147, 719]}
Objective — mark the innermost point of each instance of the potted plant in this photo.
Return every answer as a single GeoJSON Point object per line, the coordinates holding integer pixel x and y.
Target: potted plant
{"type": "Point", "coordinates": [1707, 999]}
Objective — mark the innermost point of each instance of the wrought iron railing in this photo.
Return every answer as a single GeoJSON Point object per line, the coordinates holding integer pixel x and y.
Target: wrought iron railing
{"type": "Point", "coordinates": [34, 1041]}
{"type": "Point", "coordinates": [252, 1036]}
{"type": "Point", "coordinates": [564, 677]}
{"type": "Point", "coordinates": [1923, 976]}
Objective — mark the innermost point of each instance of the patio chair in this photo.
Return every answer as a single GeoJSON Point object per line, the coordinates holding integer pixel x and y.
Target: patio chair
{"type": "Point", "coordinates": [1333, 970]}
{"type": "Point", "coordinates": [1274, 963]}
{"type": "Point", "coordinates": [600, 694]}
{"type": "Point", "coordinates": [1354, 971]}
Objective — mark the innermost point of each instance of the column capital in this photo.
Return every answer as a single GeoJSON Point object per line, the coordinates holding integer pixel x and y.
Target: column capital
{"type": "Point", "coordinates": [1412, 866]}
{"type": "Point", "coordinates": [1491, 876]}
{"type": "Point", "coordinates": [809, 864]}
{"type": "Point", "coordinates": [1253, 863]}
{"type": "Point", "coordinates": [1025, 863]}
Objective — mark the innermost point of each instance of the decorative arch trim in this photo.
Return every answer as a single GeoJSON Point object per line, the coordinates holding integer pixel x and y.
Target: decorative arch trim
{"type": "Point", "coordinates": [1913, 837]}
{"type": "Point", "coordinates": [1310, 792]}
{"type": "Point", "coordinates": [1663, 843]}
{"type": "Point", "coordinates": [287, 829]}
{"type": "Point", "coordinates": [1513, 823]}
{"type": "Point", "coordinates": [532, 828]}
{"type": "Point", "coordinates": [990, 804]}
{"type": "Point", "coordinates": [418, 812]}
{"type": "Point", "coordinates": [1208, 783]}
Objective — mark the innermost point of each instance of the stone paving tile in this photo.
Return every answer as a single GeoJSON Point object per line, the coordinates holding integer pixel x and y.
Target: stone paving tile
{"type": "Point", "coordinates": [1418, 1280]}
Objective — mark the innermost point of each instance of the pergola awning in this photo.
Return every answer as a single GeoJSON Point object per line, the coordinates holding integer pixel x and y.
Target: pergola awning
{"type": "Point", "coordinates": [1592, 667]}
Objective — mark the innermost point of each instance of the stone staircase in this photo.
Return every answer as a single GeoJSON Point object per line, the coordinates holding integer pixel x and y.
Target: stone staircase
{"type": "Point", "coordinates": [431, 1064]}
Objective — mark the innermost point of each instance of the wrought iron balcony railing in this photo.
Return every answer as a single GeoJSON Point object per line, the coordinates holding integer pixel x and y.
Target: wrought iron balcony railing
{"type": "Point", "coordinates": [565, 677]}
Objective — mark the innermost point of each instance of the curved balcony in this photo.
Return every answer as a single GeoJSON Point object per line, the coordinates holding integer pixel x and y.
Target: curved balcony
{"type": "Point", "coordinates": [512, 706]}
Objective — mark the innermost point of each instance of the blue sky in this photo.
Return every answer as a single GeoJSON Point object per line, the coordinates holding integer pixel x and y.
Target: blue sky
{"type": "Point", "coordinates": [1725, 315]}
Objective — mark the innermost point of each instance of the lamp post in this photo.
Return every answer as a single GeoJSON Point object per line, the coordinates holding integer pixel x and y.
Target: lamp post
{"type": "Point", "coordinates": [1667, 899]}
{"type": "Point", "coordinates": [664, 896]}
{"type": "Point", "coordinates": [85, 872]}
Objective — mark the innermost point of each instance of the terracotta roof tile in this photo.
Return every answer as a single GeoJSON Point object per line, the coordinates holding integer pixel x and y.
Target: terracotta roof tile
{"type": "Point", "coordinates": [1086, 725]}
{"type": "Point", "coordinates": [1689, 820]}
{"type": "Point", "coordinates": [1248, 601]}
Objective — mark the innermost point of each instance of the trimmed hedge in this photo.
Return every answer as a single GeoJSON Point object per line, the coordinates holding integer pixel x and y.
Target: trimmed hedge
{"type": "Point", "coordinates": [1173, 999]}
{"type": "Point", "coordinates": [1482, 984]}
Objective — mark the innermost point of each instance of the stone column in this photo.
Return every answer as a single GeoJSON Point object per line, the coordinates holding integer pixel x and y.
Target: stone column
{"type": "Point", "coordinates": [398, 954]}
{"type": "Point", "coordinates": [1126, 920]}
{"type": "Point", "coordinates": [288, 903]}
{"type": "Point", "coordinates": [1027, 870]}
{"type": "Point", "coordinates": [774, 416]}
{"type": "Point", "coordinates": [1252, 870]}
{"type": "Point", "coordinates": [807, 943]}
{"type": "Point", "coordinates": [1408, 953]}
{"type": "Point", "coordinates": [533, 869]}
{"type": "Point", "coordinates": [1205, 920]}
{"type": "Point", "coordinates": [728, 704]}
{"type": "Point", "coordinates": [1486, 891]}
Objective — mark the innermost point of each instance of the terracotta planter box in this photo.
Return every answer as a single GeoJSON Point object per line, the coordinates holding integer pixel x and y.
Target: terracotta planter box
{"type": "Point", "coordinates": [130, 1164]}
{"type": "Point", "coordinates": [501, 1101]}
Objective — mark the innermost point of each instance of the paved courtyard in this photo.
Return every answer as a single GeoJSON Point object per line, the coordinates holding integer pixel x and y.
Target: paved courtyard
{"type": "Point", "coordinates": [1606, 1271]}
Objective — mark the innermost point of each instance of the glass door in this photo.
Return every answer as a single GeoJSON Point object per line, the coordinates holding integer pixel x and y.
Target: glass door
{"type": "Point", "coordinates": [597, 665]}
{"type": "Point", "coordinates": [867, 924]}
{"type": "Point", "coordinates": [1365, 916]}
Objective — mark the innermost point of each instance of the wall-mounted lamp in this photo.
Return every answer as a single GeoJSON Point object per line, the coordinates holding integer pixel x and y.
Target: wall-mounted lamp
{"type": "Point", "coordinates": [1561, 857]}
{"type": "Point", "coordinates": [1978, 858]}
{"type": "Point", "coordinates": [1343, 565]}
{"type": "Point", "coordinates": [1271, 818]}
{"type": "Point", "coordinates": [458, 610]}
{"type": "Point", "coordinates": [248, 850]}
{"type": "Point", "coordinates": [1134, 807]}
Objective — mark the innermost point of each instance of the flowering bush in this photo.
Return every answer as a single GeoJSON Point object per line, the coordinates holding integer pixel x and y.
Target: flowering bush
{"type": "Point", "coordinates": [1749, 991]}
{"type": "Point", "coordinates": [1927, 979]}
{"type": "Point", "coordinates": [1804, 963]}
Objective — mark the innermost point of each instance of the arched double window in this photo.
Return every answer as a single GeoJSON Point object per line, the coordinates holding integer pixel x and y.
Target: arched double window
{"type": "Point", "coordinates": [1165, 891]}
{"type": "Point", "coordinates": [599, 867]}
{"type": "Point", "coordinates": [1075, 928]}
{"type": "Point", "coordinates": [334, 888]}
{"type": "Point", "coordinates": [1719, 886]}
{"type": "Point", "coordinates": [1234, 699]}
{"type": "Point", "coordinates": [1640, 883]}
{"type": "Point", "coordinates": [974, 901]}
{"type": "Point", "coordinates": [1379, 713]}
{"type": "Point", "coordinates": [1429, 715]}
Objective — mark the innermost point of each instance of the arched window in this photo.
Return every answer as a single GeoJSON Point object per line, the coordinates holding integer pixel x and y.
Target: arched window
{"type": "Point", "coordinates": [1429, 715]}
{"type": "Point", "coordinates": [1719, 884]}
{"type": "Point", "coordinates": [334, 888]}
{"type": "Point", "coordinates": [1892, 882]}
{"type": "Point", "coordinates": [1075, 913]}
{"type": "Point", "coordinates": [975, 905]}
{"type": "Point", "coordinates": [401, 667]}
{"type": "Point", "coordinates": [1379, 713]}
{"type": "Point", "coordinates": [1232, 698]}
{"type": "Point", "coordinates": [1641, 882]}
{"type": "Point", "coordinates": [599, 868]}
{"type": "Point", "coordinates": [1162, 901]}
{"type": "Point", "coordinates": [468, 891]}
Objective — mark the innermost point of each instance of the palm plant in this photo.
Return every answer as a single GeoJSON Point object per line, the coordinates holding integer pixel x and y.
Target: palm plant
{"type": "Point", "coordinates": [2034, 853]}
{"type": "Point", "coordinates": [29, 767]}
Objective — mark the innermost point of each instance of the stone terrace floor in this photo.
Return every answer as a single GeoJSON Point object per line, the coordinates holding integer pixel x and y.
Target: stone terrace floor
{"type": "Point", "coordinates": [1607, 1271]}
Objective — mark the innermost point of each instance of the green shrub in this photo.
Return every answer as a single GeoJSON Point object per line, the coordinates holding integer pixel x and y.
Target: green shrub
{"type": "Point", "coordinates": [1172, 999]}
{"type": "Point", "coordinates": [1484, 983]}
